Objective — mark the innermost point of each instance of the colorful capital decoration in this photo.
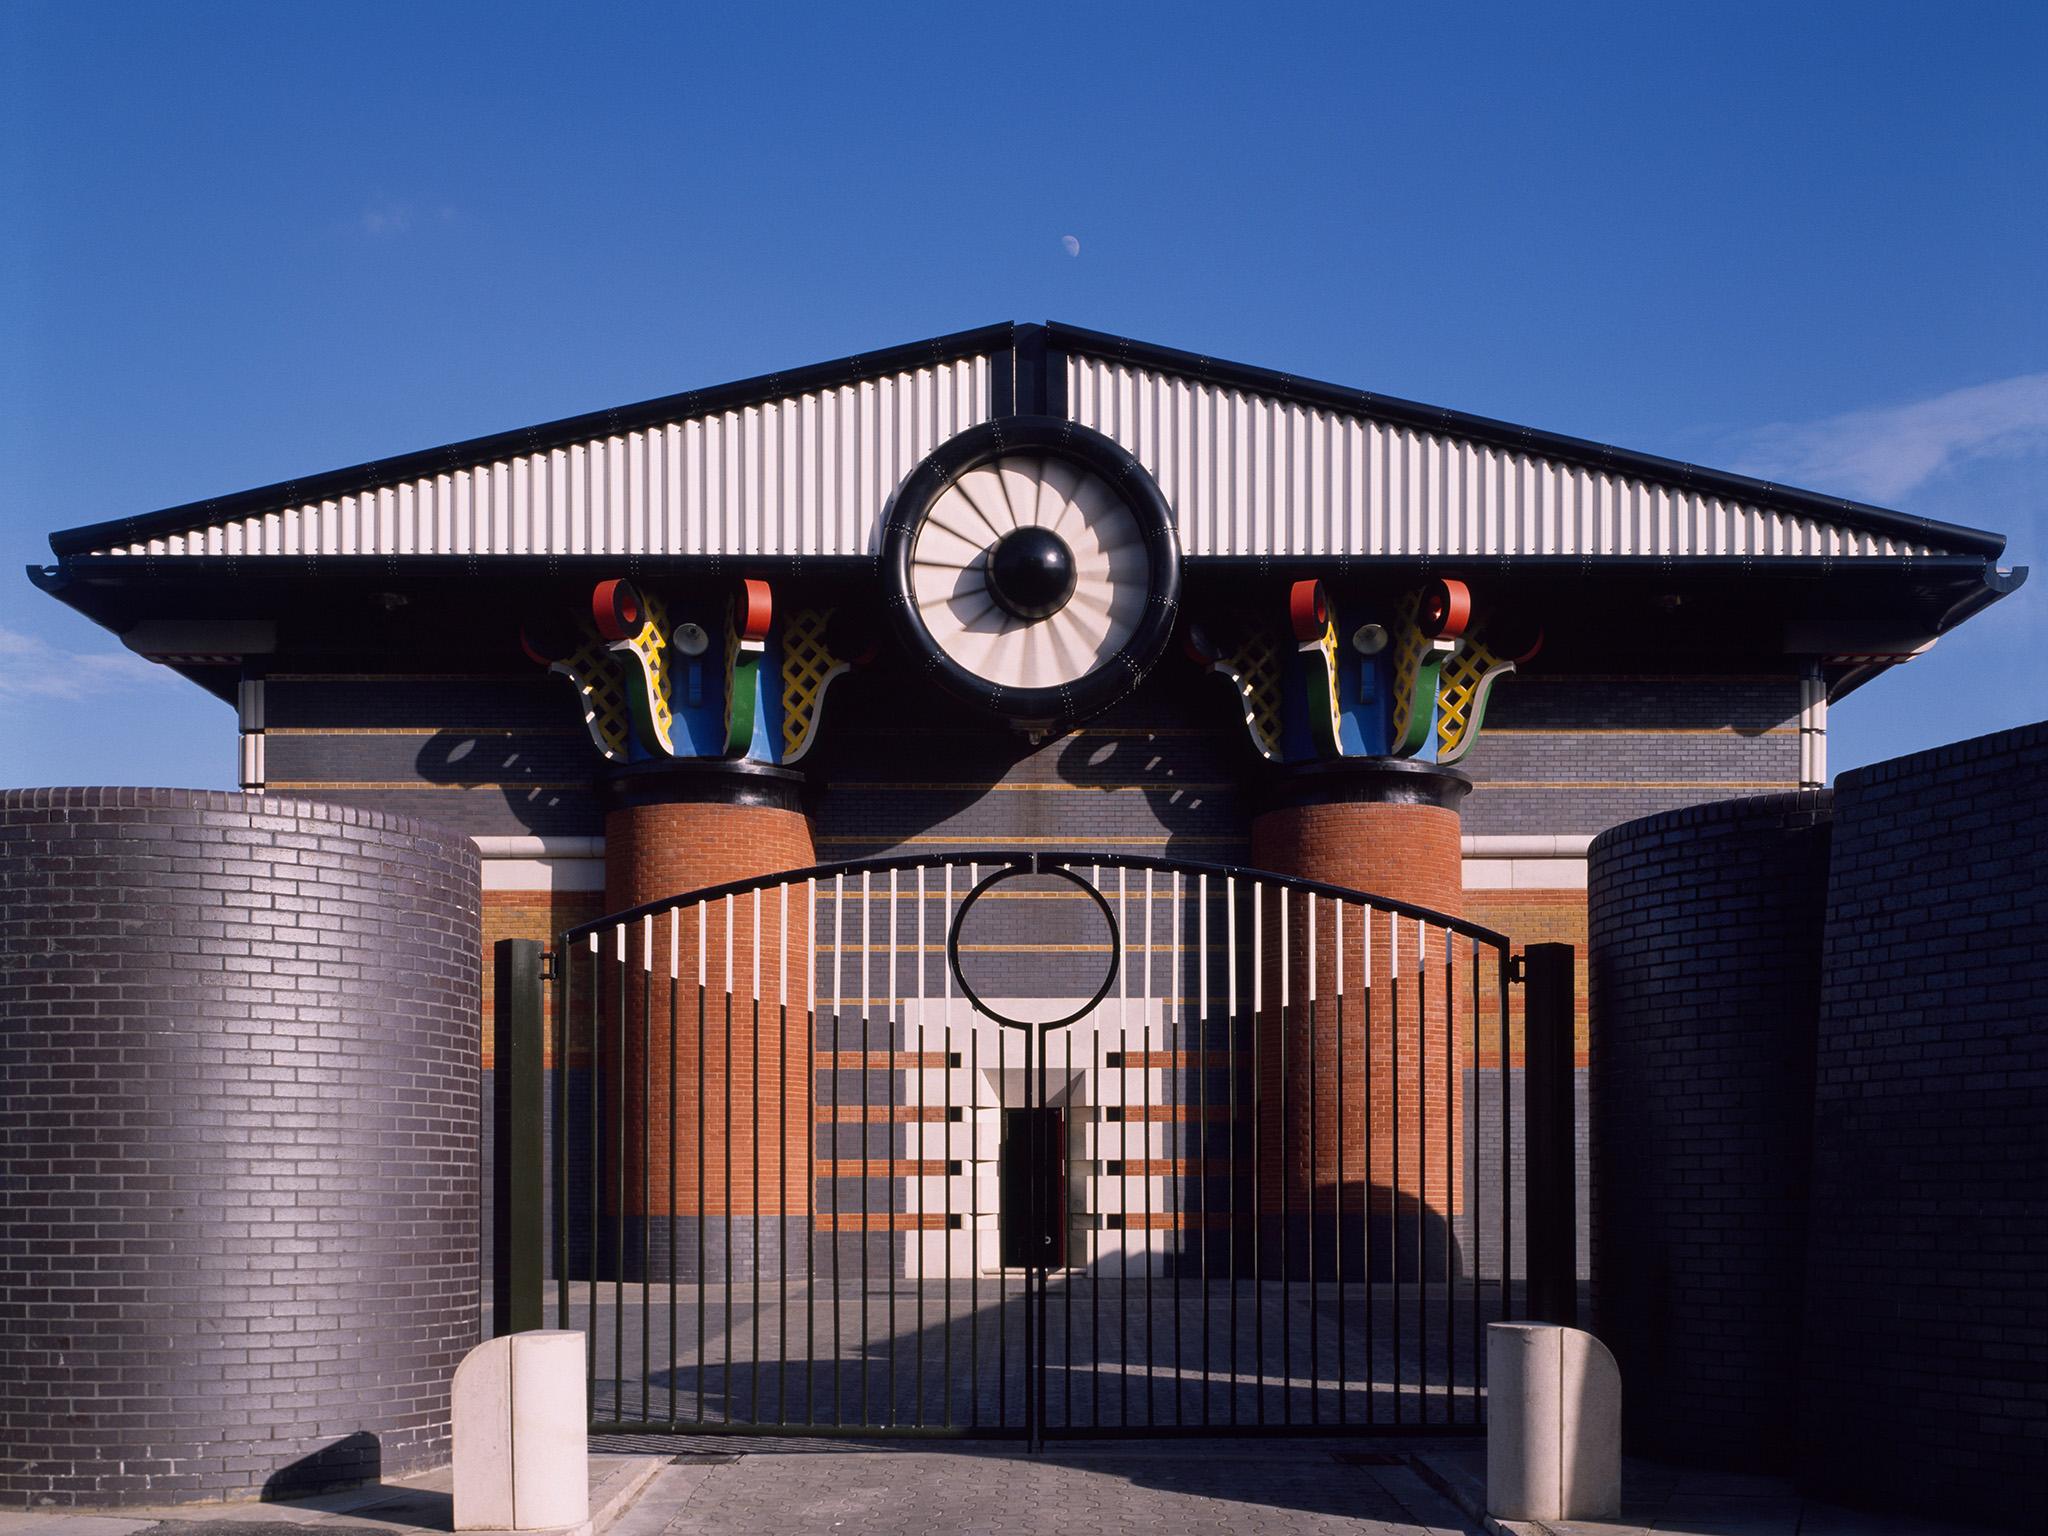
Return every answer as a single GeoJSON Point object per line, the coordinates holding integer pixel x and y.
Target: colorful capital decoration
{"type": "Point", "coordinates": [1363, 677]}
{"type": "Point", "coordinates": [650, 687]}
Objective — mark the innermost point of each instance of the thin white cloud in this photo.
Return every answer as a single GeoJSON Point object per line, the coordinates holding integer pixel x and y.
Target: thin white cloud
{"type": "Point", "coordinates": [32, 668]}
{"type": "Point", "coordinates": [1883, 453]}
{"type": "Point", "coordinates": [387, 219]}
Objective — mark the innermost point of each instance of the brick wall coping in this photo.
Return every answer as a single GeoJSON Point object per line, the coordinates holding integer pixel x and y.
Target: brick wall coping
{"type": "Point", "coordinates": [1811, 805]}
{"type": "Point", "coordinates": [1956, 754]}
{"type": "Point", "coordinates": [107, 797]}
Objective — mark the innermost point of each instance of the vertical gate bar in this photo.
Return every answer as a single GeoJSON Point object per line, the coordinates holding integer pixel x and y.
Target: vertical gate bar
{"type": "Point", "coordinates": [967, 1165]}
{"type": "Point", "coordinates": [1030, 1182]}
{"type": "Point", "coordinates": [1394, 1115]}
{"type": "Point", "coordinates": [811, 1152]}
{"type": "Point", "coordinates": [596, 1159]}
{"type": "Point", "coordinates": [867, 1110]}
{"type": "Point", "coordinates": [675, 935]}
{"type": "Point", "coordinates": [619, 1168]}
{"type": "Point", "coordinates": [1450, 1192]}
{"type": "Point", "coordinates": [838, 1012]}
{"type": "Point", "coordinates": [782, 1157]}
{"type": "Point", "coordinates": [703, 1205]}
{"type": "Point", "coordinates": [1145, 1087]}
{"type": "Point", "coordinates": [1258, 1156]}
{"type": "Point", "coordinates": [1002, 1268]}
{"type": "Point", "coordinates": [1280, 1126]}
{"type": "Point", "coordinates": [1177, 1110]}
{"type": "Point", "coordinates": [1421, 1172]}
{"type": "Point", "coordinates": [1337, 1190]}
{"type": "Point", "coordinates": [1507, 1154]}
{"type": "Point", "coordinates": [1315, 1151]}
{"type": "Point", "coordinates": [726, 1203]}
{"type": "Point", "coordinates": [946, 1145]}
{"type": "Point", "coordinates": [917, 1168]}
{"type": "Point", "coordinates": [1041, 1162]}
{"type": "Point", "coordinates": [1123, 1178]}
{"type": "Point", "coordinates": [1202, 1018]}
{"type": "Point", "coordinates": [1478, 1207]}
{"type": "Point", "coordinates": [889, 1207]}
{"type": "Point", "coordinates": [972, 1109]}
{"type": "Point", "coordinates": [1098, 1225]}
{"type": "Point", "coordinates": [646, 1164]}
{"type": "Point", "coordinates": [567, 965]}
{"type": "Point", "coordinates": [1067, 1239]}
{"type": "Point", "coordinates": [1230, 1063]}
{"type": "Point", "coordinates": [1372, 1368]}
{"type": "Point", "coordinates": [754, 1174]}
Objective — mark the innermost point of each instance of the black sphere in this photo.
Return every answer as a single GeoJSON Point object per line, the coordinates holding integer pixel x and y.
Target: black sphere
{"type": "Point", "coordinates": [1031, 572]}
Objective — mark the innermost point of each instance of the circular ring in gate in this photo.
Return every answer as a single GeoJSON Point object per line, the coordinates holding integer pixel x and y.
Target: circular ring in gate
{"type": "Point", "coordinates": [1012, 872]}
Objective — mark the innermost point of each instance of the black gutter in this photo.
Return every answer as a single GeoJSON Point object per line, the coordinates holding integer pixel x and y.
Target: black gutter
{"type": "Point", "coordinates": [398, 569]}
{"type": "Point", "coordinates": [553, 434]}
{"type": "Point", "coordinates": [1996, 584]}
{"type": "Point", "coordinates": [1505, 434]}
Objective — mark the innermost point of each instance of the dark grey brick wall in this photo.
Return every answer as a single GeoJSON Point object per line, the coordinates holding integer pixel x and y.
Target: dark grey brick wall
{"type": "Point", "coordinates": [901, 765]}
{"type": "Point", "coordinates": [1571, 754]}
{"type": "Point", "coordinates": [1705, 955]}
{"type": "Point", "coordinates": [238, 1102]}
{"type": "Point", "coordinates": [1926, 1358]}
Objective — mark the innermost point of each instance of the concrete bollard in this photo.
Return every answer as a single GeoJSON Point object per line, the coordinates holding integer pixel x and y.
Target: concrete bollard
{"type": "Point", "coordinates": [1553, 1424]}
{"type": "Point", "coordinates": [522, 1459]}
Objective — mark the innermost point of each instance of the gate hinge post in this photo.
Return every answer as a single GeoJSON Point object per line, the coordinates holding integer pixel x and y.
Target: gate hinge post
{"type": "Point", "coordinates": [547, 965]}
{"type": "Point", "coordinates": [1518, 969]}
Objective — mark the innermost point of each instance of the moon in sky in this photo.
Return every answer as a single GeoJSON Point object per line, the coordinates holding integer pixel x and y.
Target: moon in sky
{"type": "Point", "coordinates": [1072, 244]}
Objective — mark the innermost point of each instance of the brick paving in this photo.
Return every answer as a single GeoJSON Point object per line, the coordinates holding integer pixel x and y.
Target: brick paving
{"type": "Point", "coordinates": [1232, 1485]}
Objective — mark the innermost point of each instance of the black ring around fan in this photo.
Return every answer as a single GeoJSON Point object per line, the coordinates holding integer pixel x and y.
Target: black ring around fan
{"type": "Point", "coordinates": [1012, 872]}
{"type": "Point", "coordinates": [1065, 703]}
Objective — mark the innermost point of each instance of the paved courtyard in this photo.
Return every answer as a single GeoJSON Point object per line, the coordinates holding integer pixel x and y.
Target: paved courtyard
{"type": "Point", "coordinates": [1190, 1488]}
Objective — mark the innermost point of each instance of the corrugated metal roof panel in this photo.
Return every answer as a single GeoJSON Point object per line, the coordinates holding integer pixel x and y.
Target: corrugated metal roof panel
{"type": "Point", "coordinates": [1250, 474]}
{"type": "Point", "coordinates": [808, 474]}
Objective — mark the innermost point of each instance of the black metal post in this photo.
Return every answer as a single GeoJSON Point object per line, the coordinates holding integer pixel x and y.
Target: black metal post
{"type": "Point", "coordinates": [518, 1174]}
{"type": "Point", "coordinates": [1552, 1225]}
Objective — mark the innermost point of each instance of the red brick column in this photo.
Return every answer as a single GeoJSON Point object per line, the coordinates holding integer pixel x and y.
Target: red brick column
{"type": "Point", "coordinates": [671, 830]}
{"type": "Point", "coordinates": [1391, 829]}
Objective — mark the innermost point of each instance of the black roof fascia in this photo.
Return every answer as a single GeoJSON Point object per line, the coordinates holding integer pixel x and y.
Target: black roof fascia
{"type": "Point", "coordinates": [1574, 450]}
{"type": "Point", "coordinates": [537, 439]}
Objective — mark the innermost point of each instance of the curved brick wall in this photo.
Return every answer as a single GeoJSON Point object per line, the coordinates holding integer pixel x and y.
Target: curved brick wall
{"type": "Point", "coordinates": [1705, 956]}
{"type": "Point", "coordinates": [238, 1107]}
{"type": "Point", "coordinates": [1926, 1350]}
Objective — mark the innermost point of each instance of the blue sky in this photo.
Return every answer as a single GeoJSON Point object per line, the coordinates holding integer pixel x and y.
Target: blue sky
{"type": "Point", "coordinates": [244, 243]}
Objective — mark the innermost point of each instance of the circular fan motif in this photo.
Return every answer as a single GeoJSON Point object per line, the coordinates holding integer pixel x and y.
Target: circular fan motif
{"type": "Point", "coordinates": [1035, 567]}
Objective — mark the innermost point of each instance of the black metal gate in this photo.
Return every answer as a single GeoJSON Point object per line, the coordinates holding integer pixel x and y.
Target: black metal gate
{"type": "Point", "coordinates": [1034, 1144]}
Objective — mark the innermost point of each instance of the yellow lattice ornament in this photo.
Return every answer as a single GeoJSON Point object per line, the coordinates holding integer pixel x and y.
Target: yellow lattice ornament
{"type": "Point", "coordinates": [808, 667]}
{"type": "Point", "coordinates": [1410, 646]}
{"type": "Point", "coordinates": [649, 695]}
{"type": "Point", "coordinates": [1253, 667]}
{"type": "Point", "coordinates": [601, 685]}
{"type": "Point", "coordinates": [1468, 678]}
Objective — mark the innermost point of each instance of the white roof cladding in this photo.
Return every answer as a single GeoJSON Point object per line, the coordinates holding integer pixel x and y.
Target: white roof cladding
{"type": "Point", "coordinates": [805, 474]}
{"type": "Point", "coordinates": [1253, 463]}
{"type": "Point", "coordinates": [1249, 474]}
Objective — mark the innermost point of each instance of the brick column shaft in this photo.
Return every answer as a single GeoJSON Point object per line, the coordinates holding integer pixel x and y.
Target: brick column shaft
{"type": "Point", "coordinates": [1391, 830]}
{"type": "Point", "coordinates": [738, 1125]}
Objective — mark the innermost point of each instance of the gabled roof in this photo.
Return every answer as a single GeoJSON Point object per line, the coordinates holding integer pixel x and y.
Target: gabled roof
{"type": "Point", "coordinates": [802, 465]}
